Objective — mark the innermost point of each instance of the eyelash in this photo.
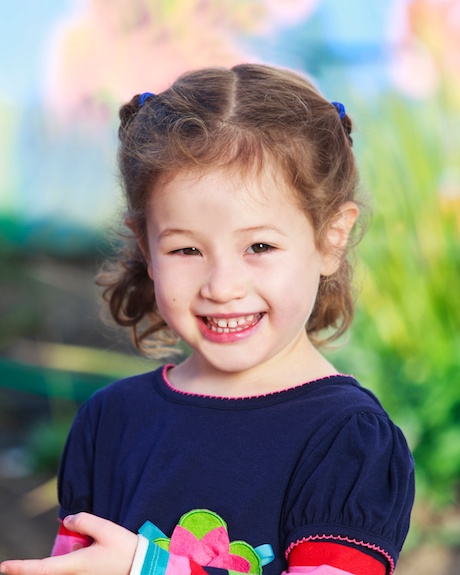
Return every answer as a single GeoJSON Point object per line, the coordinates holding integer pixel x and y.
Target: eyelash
{"type": "Point", "coordinates": [265, 248]}
{"type": "Point", "coordinates": [183, 252]}
{"type": "Point", "coordinates": [257, 248]}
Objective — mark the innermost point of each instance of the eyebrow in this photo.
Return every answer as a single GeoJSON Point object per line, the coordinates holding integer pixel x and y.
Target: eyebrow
{"type": "Point", "coordinates": [168, 232]}
{"type": "Point", "coordinates": [265, 228]}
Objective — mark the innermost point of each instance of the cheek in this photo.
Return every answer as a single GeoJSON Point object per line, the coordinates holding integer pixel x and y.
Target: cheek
{"type": "Point", "coordinates": [296, 292]}
{"type": "Point", "coordinates": [297, 276]}
{"type": "Point", "coordinates": [166, 298]}
{"type": "Point", "coordinates": [170, 293]}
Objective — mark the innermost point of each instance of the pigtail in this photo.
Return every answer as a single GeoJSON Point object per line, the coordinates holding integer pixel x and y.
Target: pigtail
{"type": "Point", "coordinates": [345, 120]}
{"type": "Point", "coordinates": [334, 306]}
{"type": "Point", "coordinates": [130, 295]}
{"type": "Point", "coordinates": [127, 288]}
{"type": "Point", "coordinates": [130, 110]}
{"type": "Point", "coordinates": [348, 127]}
{"type": "Point", "coordinates": [126, 114]}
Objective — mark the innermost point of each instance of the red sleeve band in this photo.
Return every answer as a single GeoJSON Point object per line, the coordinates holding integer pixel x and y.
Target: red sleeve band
{"type": "Point", "coordinates": [315, 553]}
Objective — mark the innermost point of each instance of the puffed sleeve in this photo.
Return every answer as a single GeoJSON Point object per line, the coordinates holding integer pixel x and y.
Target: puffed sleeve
{"type": "Point", "coordinates": [355, 488]}
{"type": "Point", "coordinates": [76, 467]}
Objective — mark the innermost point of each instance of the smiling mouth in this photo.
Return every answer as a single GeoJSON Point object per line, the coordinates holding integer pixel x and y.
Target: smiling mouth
{"type": "Point", "coordinates": [233, 324]}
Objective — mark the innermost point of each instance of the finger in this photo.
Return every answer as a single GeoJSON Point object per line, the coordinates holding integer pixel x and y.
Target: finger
{"type": "Point", "coordinates": [18, 567]}
{"type": "Point", "coordinates": [91, 526]}
{"type": "Point", "coordinates": [97, 529]}
{"type": "Point", "coordinates": [49, 566]}
{"type": "Point", "coordinates": [22, 567]}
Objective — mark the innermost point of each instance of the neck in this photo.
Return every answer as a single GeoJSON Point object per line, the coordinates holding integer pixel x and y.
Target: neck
{"type": "Point", "coordinates": [287, 369]}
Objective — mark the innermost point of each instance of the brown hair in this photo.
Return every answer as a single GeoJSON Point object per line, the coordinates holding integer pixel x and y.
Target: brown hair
{"type": "Point", "coordinates": [232, 118]}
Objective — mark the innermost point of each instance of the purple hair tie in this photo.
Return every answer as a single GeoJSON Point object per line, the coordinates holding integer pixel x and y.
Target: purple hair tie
{"type": "Point", "coordinates": [143, 97]}
{"type": "Point", "coordinates": [340, 109]}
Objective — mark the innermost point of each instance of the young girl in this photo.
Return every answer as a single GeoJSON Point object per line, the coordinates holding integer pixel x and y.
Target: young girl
{"type": "Point", "coordinates": [253, 455]}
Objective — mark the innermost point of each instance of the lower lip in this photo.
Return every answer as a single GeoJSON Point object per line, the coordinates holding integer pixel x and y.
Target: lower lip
{"type": "Point", "coordinates": [231, 336]}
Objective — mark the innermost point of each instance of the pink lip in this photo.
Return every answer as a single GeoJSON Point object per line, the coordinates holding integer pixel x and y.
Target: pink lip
{"type": "Point", "coordinates": [230, 337]}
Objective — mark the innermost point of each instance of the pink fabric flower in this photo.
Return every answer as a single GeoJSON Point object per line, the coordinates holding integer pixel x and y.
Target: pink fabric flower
{"type": "Point", "coordinates": [212, 550]}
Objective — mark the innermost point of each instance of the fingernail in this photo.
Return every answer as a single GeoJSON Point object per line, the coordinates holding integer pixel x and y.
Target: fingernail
{"type": "Point", "coordinates": [69, 518]}
{"type": "Point", "coordinates": [3, 569]}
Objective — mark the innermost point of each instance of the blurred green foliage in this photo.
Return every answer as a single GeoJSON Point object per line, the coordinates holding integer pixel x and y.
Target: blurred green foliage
{"type": "Point", "coordinates": [406, 338]}
{"type": "Point", "coordinates": [53, 344]}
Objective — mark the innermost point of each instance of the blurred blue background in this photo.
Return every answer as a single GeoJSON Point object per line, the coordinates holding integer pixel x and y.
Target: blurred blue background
{"type": "Point", "coordinates": [67, 66]}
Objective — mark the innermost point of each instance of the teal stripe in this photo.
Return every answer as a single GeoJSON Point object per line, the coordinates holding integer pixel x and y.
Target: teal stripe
{"type": "Point", "coordinates": [266, 554]}
{"type": "Point", "coordinates": [151, 531]}
{"type": "Point", "coordinates": [156, 560]}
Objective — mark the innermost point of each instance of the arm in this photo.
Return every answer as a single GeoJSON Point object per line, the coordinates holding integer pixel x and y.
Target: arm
{"type": "Point", "coordinates": [117, 551]}
{"type": "Point", "coordinates": [112, 552]}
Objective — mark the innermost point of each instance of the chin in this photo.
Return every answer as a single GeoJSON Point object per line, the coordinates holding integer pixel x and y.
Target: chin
{"type": "Point", "coordinates": [233, 366]}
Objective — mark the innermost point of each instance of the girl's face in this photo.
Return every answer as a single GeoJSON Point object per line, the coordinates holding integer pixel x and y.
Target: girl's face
{"type": "Point", "coordinates": [236, 272]}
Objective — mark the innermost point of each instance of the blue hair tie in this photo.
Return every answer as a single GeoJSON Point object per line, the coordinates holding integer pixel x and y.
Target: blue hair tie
{"type": "Point", "coordinates": [143, 97]}
{"type": "Point", "coordinates": [340, 109]}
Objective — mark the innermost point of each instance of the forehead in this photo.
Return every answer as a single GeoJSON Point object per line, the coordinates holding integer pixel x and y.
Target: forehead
{"type": "Point", "coordinates": [256, 186]}
{"type": "Point", "coordinates": [219, 203]}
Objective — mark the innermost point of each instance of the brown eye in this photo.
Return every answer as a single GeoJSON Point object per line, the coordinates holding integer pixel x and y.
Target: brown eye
{"type": "Point", "coordinates": [260, 248]}
{"type": "Point", "coordinates": [188, 252]}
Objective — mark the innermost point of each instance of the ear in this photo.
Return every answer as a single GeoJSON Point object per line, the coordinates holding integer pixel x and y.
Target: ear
{"type": "Point", "coordinates": [142, 243]}
{"type": "Point", "coordinates": [337, 237]}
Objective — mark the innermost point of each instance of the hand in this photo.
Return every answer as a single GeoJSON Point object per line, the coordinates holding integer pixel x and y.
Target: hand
{"type": "Point", "coordinates": [111, 553]}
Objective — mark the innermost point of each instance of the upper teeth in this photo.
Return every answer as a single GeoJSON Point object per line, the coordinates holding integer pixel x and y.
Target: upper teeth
{"type": "Point", "coordinates": [219, 323]}
{"type": "Point", "coordinates": [233, 322]}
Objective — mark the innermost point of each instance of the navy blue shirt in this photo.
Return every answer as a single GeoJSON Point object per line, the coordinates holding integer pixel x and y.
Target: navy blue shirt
{"type": "Point", "coordinates": [321, 458]}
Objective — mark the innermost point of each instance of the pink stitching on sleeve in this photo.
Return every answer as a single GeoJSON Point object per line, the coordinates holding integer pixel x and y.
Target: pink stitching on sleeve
{"type": "Point", "coordinates": [348, 540]}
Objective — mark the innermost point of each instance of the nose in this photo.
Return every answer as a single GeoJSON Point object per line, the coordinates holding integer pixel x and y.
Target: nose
{"type": "Point", "coordinates": [225, 281]}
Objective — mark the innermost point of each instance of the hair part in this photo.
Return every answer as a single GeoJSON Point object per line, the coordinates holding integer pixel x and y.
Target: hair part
{"type": "Point", "coordinates": [236, 118]}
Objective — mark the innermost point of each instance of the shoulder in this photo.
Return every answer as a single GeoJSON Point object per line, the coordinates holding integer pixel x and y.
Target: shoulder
{"type": "Point", "coordinates": [128, 394]}
{"type": "Point", "coordinates": [335, 399]}
{"type": "Point", "coordinates": [356, 417]}
{"type": "Point", "coordinates": [352, 436]}
{"type": "Point", "coordinates": [135, 384]}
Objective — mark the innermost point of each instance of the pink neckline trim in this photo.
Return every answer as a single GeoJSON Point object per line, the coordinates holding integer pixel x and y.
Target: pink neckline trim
{"type": "Point", "coordinates": [348, 540]}
{"type": "Point", "coordinates": [190, 394]}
